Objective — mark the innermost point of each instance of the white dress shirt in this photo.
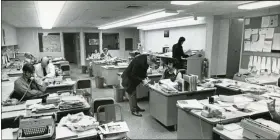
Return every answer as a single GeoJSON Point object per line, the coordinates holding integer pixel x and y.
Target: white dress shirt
{"type": "Point", "coordinates": [50, 69]}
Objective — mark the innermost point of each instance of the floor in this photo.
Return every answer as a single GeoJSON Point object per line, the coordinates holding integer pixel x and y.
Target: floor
{"type": "Point", "coordinates": [145, 127]}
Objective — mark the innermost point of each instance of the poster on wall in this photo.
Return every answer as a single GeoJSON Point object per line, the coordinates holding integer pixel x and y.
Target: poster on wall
{"type": "Point", "coordinates": [166, 33]}
{"type": "Point", "coordinates": [93, 41]}
{"type": "Point", "coordinates": [51, 43]}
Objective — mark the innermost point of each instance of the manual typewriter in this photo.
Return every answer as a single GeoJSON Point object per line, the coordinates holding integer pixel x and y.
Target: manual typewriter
{"type": "Point", "coordinates": [39, 127]}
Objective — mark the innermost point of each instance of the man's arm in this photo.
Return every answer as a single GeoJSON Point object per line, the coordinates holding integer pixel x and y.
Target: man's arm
{"type": "Point", "coordinates": [133, 74]}
{"type": "Point", "coordinates": [182, 52]}
{"type": "Point", "coordinates": [23, 88]}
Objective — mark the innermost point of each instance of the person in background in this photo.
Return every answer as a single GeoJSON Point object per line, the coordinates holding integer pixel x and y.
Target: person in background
{"type": "Point", "coordinates": [134, 74]}
{"type": "Point", "coordinates": [171, 72]}
{"type": "Point", "coordinates": [45, 69]}
{"type": "Point", "coordinates": [275, 114]}
{"type": "Point", "coordinates": [178, 53]}
{"type": "Point", "coordinates": [96, 54]}
{"type": "Point", "coordinates": [278, 82]}
{"type": "Point", "coordinates": [26, 87]}
{"type": "Point", "coordinates": [105, 54]}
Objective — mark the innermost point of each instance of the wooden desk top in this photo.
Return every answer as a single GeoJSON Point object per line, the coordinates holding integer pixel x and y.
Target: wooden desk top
{"type": "Point", "coordinates": [258, 108]}
{"type": "Point", "coordinates": [231, 135]}
{"type": "Point", "coordinates": [200, 90]}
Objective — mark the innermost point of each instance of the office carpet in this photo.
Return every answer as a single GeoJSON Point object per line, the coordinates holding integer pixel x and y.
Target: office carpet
{"type": "Point", "coordinates": [145, 127]}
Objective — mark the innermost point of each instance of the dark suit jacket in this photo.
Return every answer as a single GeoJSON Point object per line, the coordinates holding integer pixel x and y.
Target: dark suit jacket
{"type": "Point", "coordinates": [135, 73]}
{"type": "Point", "coordinates": [177, 52]}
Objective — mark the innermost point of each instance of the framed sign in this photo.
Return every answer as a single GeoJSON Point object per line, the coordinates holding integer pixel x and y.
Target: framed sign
{"type": "Point", "coordinates": [166, 33]}
{"type": "Point", "coordinates": [93, 41]}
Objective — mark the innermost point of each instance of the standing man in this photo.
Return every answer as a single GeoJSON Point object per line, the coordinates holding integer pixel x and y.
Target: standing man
{"type": "Point", "coordinates": [135, 74]}
{"type": "Point", "coordinates": [178, 53]}
{"type": "Point", "coordinates": [45, 69]}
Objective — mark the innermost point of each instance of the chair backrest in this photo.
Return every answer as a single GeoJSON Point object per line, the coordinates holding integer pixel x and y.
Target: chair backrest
{"type": "Point", "coordinates": [100, 101]}
{"type": "Point", "coordinates": [82, 84]}
{"type": "Point", "coordinates": [65, 67]}
{"type": "Point", "coordinates": [111, 113]}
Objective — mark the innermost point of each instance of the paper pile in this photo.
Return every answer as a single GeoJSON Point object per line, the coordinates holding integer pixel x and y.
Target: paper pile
{"type": "Point", "coordinates": [190, 104]}
{"type": "Point", "coordinates": [70, 102]}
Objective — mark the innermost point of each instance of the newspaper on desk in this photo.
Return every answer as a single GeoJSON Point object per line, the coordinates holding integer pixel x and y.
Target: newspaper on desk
{"type": "Point", "coordinates": [113, 128]}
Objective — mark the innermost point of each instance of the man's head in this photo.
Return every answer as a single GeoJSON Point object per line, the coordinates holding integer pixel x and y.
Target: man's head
{"type": "Point", "coordinates": [181, 40]}
{"type": "Point", "coordinates": [171, 63]}
{"type": "Point", "coordinates": [105, 50]}
{"type": "Point", "coordinates": [152, 61]}
{"type": "Point", "coordinates": [28, 70]}
{"type": "Point", "coordinates": [45, 62]}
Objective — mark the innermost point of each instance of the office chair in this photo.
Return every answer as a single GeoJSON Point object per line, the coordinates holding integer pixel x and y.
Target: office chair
{"type": "Point", "coordinates": [98, 102]}
{"type": "Point", "coordinates": [83, 87]}
{"type": "Point", "coordinates": [65, 70]}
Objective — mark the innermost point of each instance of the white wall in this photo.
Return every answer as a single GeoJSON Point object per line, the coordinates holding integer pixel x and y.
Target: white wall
{"type": "Point", "coordinates": [28, 40]}
{"type": "Point", "coordinates": [195, 38]}
{"type": "Point", "coordinates": [10, 34]}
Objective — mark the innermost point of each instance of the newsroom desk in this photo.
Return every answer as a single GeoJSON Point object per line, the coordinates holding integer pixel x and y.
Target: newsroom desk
{"type": "Point", "coordinates": [163, 105]}
{"type": "Point", "coordinates": [96, 67]}
{"type": "Point", "coordinates": [192, 125]}
{"type": "Point", "coordinates": [8, 117]}
{"type": "Point", "coordinates": [12, 72]}
{"type": "Point", "coordinates": [143, 91]}
{"type": "Point", "coordinates": [109, 73]}
{"type": "Point", "coordinates": [228, 135]}
{"type": "Point", "coordinates": [224, 89]}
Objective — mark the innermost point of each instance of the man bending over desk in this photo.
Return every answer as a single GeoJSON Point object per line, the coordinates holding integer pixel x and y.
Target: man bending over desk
{"type": "Point", "coordinates": [25, 87]}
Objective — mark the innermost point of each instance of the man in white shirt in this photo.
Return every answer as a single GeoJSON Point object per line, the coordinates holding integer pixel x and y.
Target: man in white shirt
{"type": "Point", "coordinates": [45, 69]}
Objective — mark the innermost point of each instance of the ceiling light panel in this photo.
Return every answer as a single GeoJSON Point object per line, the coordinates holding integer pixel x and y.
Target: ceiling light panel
{"type": "Point", "coordinates": [258, 5]}
{"type": "Point", "coordinates": [185, 2]}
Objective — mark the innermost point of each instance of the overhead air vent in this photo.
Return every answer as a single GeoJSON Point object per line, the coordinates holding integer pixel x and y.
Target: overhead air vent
{"type": "Point", "coordinates": [133, 7]}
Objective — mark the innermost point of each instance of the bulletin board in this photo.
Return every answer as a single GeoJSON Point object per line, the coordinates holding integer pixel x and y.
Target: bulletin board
{"type": "Point", "coordinates": [261, 42]}
{"type": "Point", "coordinates": [49, 43]}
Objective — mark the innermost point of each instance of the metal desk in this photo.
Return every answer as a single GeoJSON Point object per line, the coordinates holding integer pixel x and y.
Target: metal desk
{"type": "Point", "coordinates": [96, 67]}
{"type": "Point", "coordinates": [192, 125]}
{"type": "Point", "coordinates": [228, 135]}
{"type": "Point", "coordinates": [163, 105]}
{"type": "Point", "coordinates": [109, 72]}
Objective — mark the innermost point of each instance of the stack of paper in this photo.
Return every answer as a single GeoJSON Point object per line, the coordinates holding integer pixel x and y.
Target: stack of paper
{"type": "Point", "coordinates": [190, 104]}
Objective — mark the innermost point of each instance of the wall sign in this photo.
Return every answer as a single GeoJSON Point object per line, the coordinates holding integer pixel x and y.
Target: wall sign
{"type": "Point", "coordinates": [166, 33]}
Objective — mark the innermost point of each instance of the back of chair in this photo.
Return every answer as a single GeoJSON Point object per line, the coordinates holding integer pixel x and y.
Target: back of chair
{"type": "Point", "coordinates": [111, 113]}
{"type": "Point", "coordinates": [65, 67]}
{"type": "Point", "coordinates": [100, 101]}
{"type": "Point", "coordinates": [82, 84]}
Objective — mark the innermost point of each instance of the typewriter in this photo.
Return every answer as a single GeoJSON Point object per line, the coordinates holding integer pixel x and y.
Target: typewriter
{"type": "Point", "coordinates": [39, 127]}
{"type": "Point", "coordinates": [256, 130]}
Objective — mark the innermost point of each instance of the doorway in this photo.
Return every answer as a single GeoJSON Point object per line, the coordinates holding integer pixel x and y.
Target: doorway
{"type": "Point", "coordinates": [234, 46]}
{"type": "Point", "coordinates": [72, 47]}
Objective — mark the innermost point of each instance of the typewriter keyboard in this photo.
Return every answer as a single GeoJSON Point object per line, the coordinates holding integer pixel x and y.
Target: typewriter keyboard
{"type": "Point", "coordinates": [30, 132]}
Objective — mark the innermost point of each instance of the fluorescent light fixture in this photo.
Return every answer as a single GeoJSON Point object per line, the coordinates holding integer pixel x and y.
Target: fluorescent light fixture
{"type": "Point", "coordinates": [258, 4]}
{"type": "Point", "coordinates": [48, 12]}
{"type": "Point", "coordinates": [186, 21]}
{"type": "Point", "coordinates": [147, 17]}
{"type": "Point", "coordinates": [185, 2]}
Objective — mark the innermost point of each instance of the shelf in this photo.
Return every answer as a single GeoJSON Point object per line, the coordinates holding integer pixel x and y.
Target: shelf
{"type": "Point", "coordinates": [267, 54]}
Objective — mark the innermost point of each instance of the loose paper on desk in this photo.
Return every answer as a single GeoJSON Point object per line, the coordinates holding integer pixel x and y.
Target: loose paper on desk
{"type": "Point", "coordinates": [247, 45]}
{"type": "Point", "coordinates": [247, 21]}
{"type": "Point", "coordinates": [268, 65]}
{"type": "Point", "coordinates": [265, 21]}
{"type": "Point", "coordinates": [269, 33]}
{"type": "Point", "coordinates": [274, 65]}
{"type": "Point", "coordinates": [267, 46]}
{"type": "Point", "coordinates": [247, 34]}
{"type": "Point", "coordinates": [273, 21]}
{"type": "Point", "coordinates": [276, 42]}
{"type": "Point", "coordinates": [232, 127]}
{"type": "Point", "coordinates": [190, 104]}
{"type": "Point", "coordinates": [263, 62]}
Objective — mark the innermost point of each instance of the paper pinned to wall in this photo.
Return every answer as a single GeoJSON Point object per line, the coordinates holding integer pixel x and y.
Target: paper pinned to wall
{"type": "Point", "coordinates": [247, 21]}
{"type": "Point", "coordinates": [269, 33]}
{"type": "Point", "coordinates": [267, 46]}
{"type": "Point", "coordinates": [276, 42]}
{"type": "Point", "coordinates": [247, 34]}
{"type": "Point", "coordinates": [274, 65]}
{"type": "Point", "coordinates": [255, 61]}
{"type": "Point", "coordinates": [255, 31]}
{"type": "Point", "coordinates": [250, 64]}
{"type": "Point", "coordinates": [273, 21]}
{"type": "Point", "coordinates": [262, 31]}
{"type": "Point", "coordinates": [268, 65]}
{"type": "Point", "coordinates": [259, 63]}
{"type": "Point", "coordinates": [263, 63]}
{"type": "Point", "coordinates": [260, 43]}
{"type": "Point", "coordinates": [247, 45]}
{"type": "Point", "coordinates": [265, 21]}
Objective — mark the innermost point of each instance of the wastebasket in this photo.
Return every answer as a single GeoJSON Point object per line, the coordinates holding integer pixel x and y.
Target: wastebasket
{"type": "Point", "coordinates": [84, 69]}
{"type": "Point", "coordinates": [118, 93]}
{"type": "Point", "coordinates": [99, 82]}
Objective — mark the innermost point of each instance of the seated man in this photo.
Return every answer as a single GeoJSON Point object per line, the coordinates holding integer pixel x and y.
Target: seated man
{"type": "Point", "coordinates": [171, 72]}
{"type": "Point", "coordinates": [275, 115]}
{"type": "Point", "coordinates": [105, 54]}
{"type": "Point", "coordinates": [25, 87]}
{"type": "Point", "coordinates": [45, 69]}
